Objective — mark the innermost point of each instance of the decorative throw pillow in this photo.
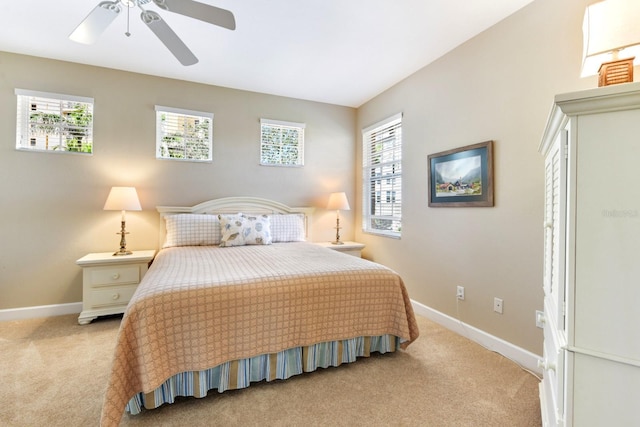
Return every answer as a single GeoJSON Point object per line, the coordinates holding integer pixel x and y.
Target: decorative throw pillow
{"type": "Point", "coordinates": [256, 229]}
{"type": "Point", "coordinates": [287, 228]}
{"type": "Point", "coordinates": [244, 229]}
{"type": "Point", "coordinates": [192, 230]}
{"type": "Point", "coordinates": [231, 227]}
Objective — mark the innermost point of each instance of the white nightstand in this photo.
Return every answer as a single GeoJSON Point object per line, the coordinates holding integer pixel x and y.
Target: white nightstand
{"type": "Point", "coordinates": [351, 248]}
{"type": "Point", "coordinates": [108, 282]}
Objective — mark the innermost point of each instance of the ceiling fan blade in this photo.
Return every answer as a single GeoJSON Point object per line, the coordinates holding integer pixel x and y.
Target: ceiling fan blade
{"type": "Point", "coordinates": [204, 12]}
{"type": "Point", "coordinates": [170, 39]}
{"type": "Point", "coordinates": [96, 22]}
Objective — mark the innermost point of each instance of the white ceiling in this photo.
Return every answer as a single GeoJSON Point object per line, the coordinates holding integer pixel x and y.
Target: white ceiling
{"type": "Point", "coordinates": [336, 51]}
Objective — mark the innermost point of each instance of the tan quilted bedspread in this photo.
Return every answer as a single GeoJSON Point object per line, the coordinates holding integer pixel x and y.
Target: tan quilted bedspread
{"type": "Point", "coordinates": [198, 307]}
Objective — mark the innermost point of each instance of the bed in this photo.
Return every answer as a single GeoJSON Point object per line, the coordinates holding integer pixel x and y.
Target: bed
{"type": "Point", "coordinates": [237, 295]}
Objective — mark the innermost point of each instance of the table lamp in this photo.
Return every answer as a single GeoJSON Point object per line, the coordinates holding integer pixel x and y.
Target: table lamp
{"type": "Point", "coordinates": [611, 41]}
{"type": "Point", "coordinates": [338, 202]}
{"type": "Point", "coordinates": [122, 199]}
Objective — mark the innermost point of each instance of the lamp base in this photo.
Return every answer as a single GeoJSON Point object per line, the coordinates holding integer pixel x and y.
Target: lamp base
{"type": "Point", "coordinates": [123, 242]}
{"type": "Point", "coordinates": [120, 253]}
{"type": "Point", "coordinates": [337, 242]}
{"type": "Point", "coordinates": [616, 72]}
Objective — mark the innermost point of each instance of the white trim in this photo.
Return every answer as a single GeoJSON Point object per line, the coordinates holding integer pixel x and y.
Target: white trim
{"type": "Point", "coordinates": [184, 112]}
{"type": "Point", "coordinates": [282, 123]}
{"type": "Point", "coordinates": [57, 96]}
{"type": "Point", "coordinates": [522, 357]}
{"type": "Point", "coordinates": [40, 311]}
{"type": "Point", "coordinates": [384, 122]}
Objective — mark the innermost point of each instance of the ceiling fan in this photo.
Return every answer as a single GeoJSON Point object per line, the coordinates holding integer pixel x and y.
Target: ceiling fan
{"type": "Point", "coordinates": [106, 12]}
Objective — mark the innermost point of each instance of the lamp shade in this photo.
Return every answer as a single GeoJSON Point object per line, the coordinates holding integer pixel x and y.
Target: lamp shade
{"type": "Point", "coordinates": [338, 201]}
{"type": "Point", "coordinates": [610, 30]}
{"type": "Point", "coordinates": [122, 199]}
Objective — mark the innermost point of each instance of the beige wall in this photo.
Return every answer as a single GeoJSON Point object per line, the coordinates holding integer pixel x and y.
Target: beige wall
{"type": "Point", "coordinates": [52, 203]}
{"type": "Point", "coordinates": [498, 86]}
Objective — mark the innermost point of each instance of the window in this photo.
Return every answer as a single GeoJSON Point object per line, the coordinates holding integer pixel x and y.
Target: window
{"type": "Point", "coordinates": [382, 177]}
{"type": "Point", "coordinates": [54, 122]}
{"type": "Point", "coordinates": [281, 143]}
{"type": "Point", "coordinates": [183, 134]}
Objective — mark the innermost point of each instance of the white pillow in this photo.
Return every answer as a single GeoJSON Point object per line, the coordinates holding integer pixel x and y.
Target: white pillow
{"type": "Point", "coordinates": [287, 228]}
{"type": "Point", "coordinates": [192, 230]}
{"type": "Point", "coordinates": [240, 229]}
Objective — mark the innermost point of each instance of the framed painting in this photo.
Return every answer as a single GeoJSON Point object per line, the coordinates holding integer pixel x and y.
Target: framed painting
{"type": "Point", "coordinates": [462, 177]}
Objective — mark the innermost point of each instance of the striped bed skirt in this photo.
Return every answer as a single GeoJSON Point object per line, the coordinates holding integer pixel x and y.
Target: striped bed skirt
{"type": "Point", "coordinates": [241, 373]}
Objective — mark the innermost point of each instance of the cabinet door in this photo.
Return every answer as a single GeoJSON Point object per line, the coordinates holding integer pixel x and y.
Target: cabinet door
{"type": "Point", "coordinates": [553, 385]}
{"type": "Point", "coordinates": [555, 226]}
{"type": "Point", "coordinates": [607, 235]}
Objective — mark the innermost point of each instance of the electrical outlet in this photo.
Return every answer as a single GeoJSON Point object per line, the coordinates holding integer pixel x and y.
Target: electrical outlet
{"type": "Point", "coordinates": [460, 292]}
{"type": "Point", "coordinates": [497, 305]}
{"type": "Point", "coordinates": [540, 319]}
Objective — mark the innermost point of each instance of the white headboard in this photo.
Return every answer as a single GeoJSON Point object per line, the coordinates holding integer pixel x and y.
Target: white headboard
{"type": "Point", "coordinates": [230, 205]}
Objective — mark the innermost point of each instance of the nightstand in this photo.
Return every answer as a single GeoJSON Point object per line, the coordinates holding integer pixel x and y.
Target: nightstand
{"type": "Point", "coordinates": [351, 248]}
{"type": "Point", "coordinates": [108, 282]}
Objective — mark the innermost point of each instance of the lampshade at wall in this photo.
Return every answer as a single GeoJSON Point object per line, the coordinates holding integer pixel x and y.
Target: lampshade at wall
{"type": "Point", "coordinates": [338, 201]}
{"type": "Point", "coordinates": [122, 199]}
{"type": "Point", "coordinates": [610, 33]}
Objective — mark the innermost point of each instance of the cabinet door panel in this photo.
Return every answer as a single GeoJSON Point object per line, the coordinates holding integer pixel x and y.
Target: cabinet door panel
{"type": "Point", "coordinates": [596, 392]}
{"type": "Point", "coordinates": [607, 246]}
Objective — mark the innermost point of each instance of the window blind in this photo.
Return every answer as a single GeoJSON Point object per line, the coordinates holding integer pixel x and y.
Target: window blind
{"type": "Point", "coordinates": [281, 143]}
{"type": "Point", "coordinates": [53, 122]}
{"type": "Point", "coordinates": [183, 134]}
{"type": "Point", "coordinates": [382, 177]}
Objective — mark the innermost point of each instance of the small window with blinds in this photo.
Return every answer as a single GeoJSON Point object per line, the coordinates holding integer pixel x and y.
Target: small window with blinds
{"type": "Point", "coordinates": [382, 177]}
{"type": "Point", "coordinates": [281, 143]}
{"type": "Point", "coordinates": [51, 122]}
{"type": "Point", "coordinates": [184, 134]}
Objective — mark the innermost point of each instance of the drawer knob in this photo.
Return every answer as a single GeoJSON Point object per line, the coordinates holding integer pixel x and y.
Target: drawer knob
{"type": "Point", "coordinates": [115, 276]}
{"type": "Point", "coordinates": [115, 296]}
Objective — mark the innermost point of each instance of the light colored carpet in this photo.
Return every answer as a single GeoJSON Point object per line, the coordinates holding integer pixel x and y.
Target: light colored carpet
{"type": "Point", "coordinates": [53, 372]}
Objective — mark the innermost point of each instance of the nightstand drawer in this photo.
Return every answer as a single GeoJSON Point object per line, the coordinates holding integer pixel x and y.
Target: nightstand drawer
{"type": "Point", "coordinates": [111, 296]}
{"type": "Point", "coordinates": [109, 282]}
{"type": "Point", "coordinates": [121, 274]}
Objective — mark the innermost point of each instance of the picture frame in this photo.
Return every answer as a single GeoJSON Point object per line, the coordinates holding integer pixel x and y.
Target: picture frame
{"type": "Point", "coordinates": [462, 177]}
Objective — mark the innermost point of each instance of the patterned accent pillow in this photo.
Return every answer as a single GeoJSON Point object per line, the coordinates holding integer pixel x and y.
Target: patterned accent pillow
{"type": "Point", "coordinates": [192, 230]}
{"type": "Point", "coordinates": [231, 228]}
{"type": "Point", "coordinates": [256, 229]}
{"type": "Point", "coordinates": [241, 229]}
{"type": "Point", "coordinates": [288, 228]}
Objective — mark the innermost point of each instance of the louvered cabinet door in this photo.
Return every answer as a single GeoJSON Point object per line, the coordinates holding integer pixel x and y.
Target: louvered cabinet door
{"type": "Point", "coordinates": [553, 358]}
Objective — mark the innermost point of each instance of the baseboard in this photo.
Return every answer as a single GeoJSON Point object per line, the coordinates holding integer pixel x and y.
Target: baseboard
{"type": "Point", "coordinates": [40, 311]}
{"type": "Point", "coordinates": [519, 355]}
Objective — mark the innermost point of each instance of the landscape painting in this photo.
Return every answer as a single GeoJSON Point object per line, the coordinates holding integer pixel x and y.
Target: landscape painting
{"type": "Point", "coordinates": [462, 176]}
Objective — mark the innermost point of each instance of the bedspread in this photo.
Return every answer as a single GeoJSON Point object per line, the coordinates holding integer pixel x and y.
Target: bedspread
{"type": "Point", "coordinates": [198, 307]}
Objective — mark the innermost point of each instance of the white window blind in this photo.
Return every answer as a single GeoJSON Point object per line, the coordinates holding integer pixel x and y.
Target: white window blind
{"type": "Point", "coordinates": [382, 177]}
{"type": "Point", "coordinates": [53, 122]}
{"type": "Point", "coordinates": [281, 143]}
{"type": "Point", "coordinates": [184, 134]}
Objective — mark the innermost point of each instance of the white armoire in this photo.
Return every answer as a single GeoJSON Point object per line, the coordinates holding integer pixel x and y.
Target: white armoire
{"type": "Point", "coordinates": [591, 356]}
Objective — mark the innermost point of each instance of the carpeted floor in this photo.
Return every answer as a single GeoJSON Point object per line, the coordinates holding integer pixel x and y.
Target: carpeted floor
{"type": "Point", "coordinates": [53, 372]}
